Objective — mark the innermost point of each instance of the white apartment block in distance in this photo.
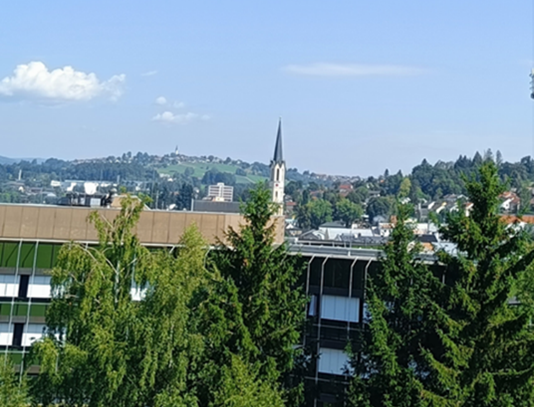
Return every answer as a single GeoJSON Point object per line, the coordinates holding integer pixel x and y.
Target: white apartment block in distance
{"type": "Point", "coordinates": [221, 192]}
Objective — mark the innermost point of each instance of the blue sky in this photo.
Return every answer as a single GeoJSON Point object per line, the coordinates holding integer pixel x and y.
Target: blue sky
{"type": "Point", "coordinates": [361, 86]}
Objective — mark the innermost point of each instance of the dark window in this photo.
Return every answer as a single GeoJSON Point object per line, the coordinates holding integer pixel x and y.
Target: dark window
{"type": "Point", "coordinates": [337, 273]}
{"type": "Point", "coordinates": [17, 334]}
{"type": "Point", "coordinates": [23, 286]}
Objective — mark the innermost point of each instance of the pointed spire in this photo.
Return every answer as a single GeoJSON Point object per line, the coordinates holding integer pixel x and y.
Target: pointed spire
{"type": "Point", "coordinates": [278, 156]}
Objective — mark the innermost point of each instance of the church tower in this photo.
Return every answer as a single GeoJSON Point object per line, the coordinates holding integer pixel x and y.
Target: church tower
{"type": "Point", "coordinates": [278, 172]}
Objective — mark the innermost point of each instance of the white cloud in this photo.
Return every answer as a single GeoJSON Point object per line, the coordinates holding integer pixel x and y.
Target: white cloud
{"type": "Point", "coordinates": [169, 117]}
{"type": "Point", "coordinates": [162, 101]}
{"type": "Point", "coordinates": [149, 73]}
{"type": "Point", "coordinates": [325, 69]}
{"type": "Point", "coordinates": [35, 82]}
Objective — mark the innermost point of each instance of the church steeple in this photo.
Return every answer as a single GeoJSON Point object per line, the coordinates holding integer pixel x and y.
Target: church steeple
{"type": "Point", "coordinates": [278, 156]}
{"type": "Point", "coordinates": [278, 172]}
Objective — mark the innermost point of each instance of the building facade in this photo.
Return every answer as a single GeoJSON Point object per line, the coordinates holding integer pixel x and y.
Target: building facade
{"type": "Point", "coordinates": [221, 193]}
{"type": "Point", "coordinates": [32, 235]}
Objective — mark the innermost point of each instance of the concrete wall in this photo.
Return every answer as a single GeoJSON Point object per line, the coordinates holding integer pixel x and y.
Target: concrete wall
{"type": "Point", "coordinates": [65, 223]}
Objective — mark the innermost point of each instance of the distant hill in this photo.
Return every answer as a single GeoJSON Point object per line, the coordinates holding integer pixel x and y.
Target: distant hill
{"type": "Point", "coordinates": [7, 160]}
{"type": "Point", "coordinates": [198, 169]}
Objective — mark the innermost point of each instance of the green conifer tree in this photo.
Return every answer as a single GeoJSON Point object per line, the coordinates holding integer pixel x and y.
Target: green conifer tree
{"type": "Point", "coordinates": [265, 276]}
{"type": "Point", "coordinates": [387, 360]}
{"type": "Point", "coordinates": [485, 335]}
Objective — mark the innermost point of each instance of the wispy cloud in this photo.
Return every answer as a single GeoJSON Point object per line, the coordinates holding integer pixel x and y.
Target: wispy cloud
{"type": "Point", "coordinates": [183, 118]}
{"type": "Point", "coordinates": [163, 101]}
{"type": "Point", "coordinates": [34, 82]}
{"type": "Point", "coordinates": [149, 73]}
{"type": "Point", "coordinates": [327, 69]}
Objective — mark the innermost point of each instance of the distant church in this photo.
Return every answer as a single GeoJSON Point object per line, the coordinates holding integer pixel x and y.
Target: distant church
{"type": "Point", "coordinates": [278, 172]}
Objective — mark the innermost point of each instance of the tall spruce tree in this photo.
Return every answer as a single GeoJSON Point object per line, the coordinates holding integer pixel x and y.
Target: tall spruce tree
{"type": "Point", "coordinates": [387, 360]}
{"type": "Point", "coordinates": [485, 333]}
{"type": "Point", "coordinates": [265, 276]}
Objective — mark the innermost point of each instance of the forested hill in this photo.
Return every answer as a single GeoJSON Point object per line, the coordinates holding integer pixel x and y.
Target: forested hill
{"type": "Point", "coordinates": [141, 167]}
{"type": "Point", "coordinates": [427, 180]}
{"type": "Point", "coordinates": [445, 178]}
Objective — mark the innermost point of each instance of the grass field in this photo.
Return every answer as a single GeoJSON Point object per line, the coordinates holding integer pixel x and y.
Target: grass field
{"type": "Point", "coordinates": [201, 168]}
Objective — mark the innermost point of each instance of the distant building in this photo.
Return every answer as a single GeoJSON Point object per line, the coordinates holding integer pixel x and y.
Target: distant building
{"type": "Point", "coordinates": [215, 206]}
{"type": "Point", "coordinates": [344, 189]}
{"type": "Point", "coordinates": [221, 193]}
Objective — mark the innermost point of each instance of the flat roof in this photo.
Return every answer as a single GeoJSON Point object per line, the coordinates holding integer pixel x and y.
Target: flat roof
{"type": "Point", "coordinates": [70, 223]}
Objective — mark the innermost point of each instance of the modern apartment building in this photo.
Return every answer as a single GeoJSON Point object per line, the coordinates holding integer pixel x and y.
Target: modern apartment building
{"type": "Point", "coordinates": [31, 237]}
{"type": "Point", "coordinates": [221, 193]}
{"type": "Point", "coordinates": [30, 240]}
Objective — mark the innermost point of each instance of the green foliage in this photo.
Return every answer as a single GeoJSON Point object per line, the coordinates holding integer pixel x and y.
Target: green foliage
{"type": "Point", "coordinates": [458, 342]}
{"type": "Point", "coordinates": [487, 343]}
{"type": "Point", "coordinates": [217, 336]}
{"type": "Point", "coordinates": [348, 212]}
{"type": "Point", "coordinates": [314, 213]}
{"type": "Point", "coordinates": [525, 196]}
{"type": "Point", "coordinates": [242, 387]}
{"type": "Point", "coordinates": [387, 358]}
{"type": "Point", "coordinates": [92, 321]}
{"type": "Point", "coordinates": [380, 206]}
{"type": "Point", "coordinates": [358, 195]}
{"type": "Point", "coordinates": [103, 348]}
{"type": "Point", "coordinates": [404, 188]}
{"type": "Point", "coordinates": [214, 176]}
{"type": "Point", "coordinates": [13, 388]}
{"type": "Point", "coordinates": [265, 277]}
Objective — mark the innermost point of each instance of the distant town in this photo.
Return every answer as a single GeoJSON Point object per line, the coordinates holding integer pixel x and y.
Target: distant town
{"type": "Point", "coordinates": [317, 239]}
{"type": "Point", "coordinates": [337, 209]}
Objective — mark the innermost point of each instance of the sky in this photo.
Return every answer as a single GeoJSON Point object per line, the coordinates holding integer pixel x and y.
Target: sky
{"type": "Point", "coordinates": [360, 86]}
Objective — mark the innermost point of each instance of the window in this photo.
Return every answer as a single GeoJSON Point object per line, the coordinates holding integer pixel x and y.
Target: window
{"type": "Point", "coordinates": [332, 361]}
{"type": "Point", "coordinates": [17, 334]}
{"type": "Point", "coordinates": [23, 286]}
{"type": "Point", "coordinates": [277, 174]}
{"type": "Point", "coordinates": [340, 308]}
{"type": "Point", "coordinates": [312, 309]}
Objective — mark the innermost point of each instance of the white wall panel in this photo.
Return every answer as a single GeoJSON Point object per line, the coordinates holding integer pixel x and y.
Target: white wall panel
{"type": "Point", "coordinates": [39, 287]}
{"type": "Point", "coordinates": [32, 332]}
{"type": "Point", "coordinates": [332, 361]}
{"type": "Point", "coordinates": [340, 308]}
{"type": "Point", "coordinates": [9, 285]}
{"type": "Point", "coordinates": [6, 336]}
